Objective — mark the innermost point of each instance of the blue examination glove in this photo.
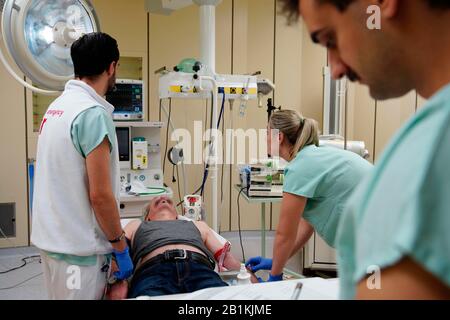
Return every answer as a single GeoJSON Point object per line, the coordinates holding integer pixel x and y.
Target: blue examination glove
{"type": "Point", "coordinates": [275, 278]}
{"type": "Point", "coordinates": [124, 263]}
{"type": "Point", "coordinates": [271, 278]}
{"type": "Point", "coordinates": [259, 263]}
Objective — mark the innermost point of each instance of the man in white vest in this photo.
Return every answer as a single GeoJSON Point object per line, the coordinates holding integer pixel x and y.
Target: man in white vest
{"type": "Point", "coordinates": [76, 222]}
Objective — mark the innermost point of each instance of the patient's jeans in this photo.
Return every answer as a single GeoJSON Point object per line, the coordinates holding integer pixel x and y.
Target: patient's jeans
{"type": "Point", "coordinates": [172, 277]}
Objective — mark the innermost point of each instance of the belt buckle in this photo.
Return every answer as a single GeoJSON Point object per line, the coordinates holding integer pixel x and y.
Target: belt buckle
{"type": "Point", "coordinates": [212, 263]}
{"type": "Point", "coordinates": [183, 257]}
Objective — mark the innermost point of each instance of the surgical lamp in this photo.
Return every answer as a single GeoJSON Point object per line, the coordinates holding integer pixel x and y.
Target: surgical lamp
{"type": "Point", "coordinates": [38, 35]}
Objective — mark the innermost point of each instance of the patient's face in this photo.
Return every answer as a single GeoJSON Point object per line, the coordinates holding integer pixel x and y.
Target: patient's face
{"type": "Point", "coordinates": [162, 208]}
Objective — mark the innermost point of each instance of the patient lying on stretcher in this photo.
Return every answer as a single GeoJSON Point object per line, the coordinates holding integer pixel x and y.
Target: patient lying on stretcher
{"type": "Point", "coordinates": [172, 256]}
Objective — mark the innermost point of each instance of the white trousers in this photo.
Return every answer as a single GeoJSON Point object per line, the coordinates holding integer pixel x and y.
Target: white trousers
{"type": "Point", "coordinates": [64, 281]}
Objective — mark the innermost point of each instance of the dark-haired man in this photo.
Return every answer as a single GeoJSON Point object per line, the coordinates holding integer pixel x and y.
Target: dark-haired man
{"type": "Point", "coordinates": [76, 221]}
{"type": "Point", "coordinates": [394, 240]}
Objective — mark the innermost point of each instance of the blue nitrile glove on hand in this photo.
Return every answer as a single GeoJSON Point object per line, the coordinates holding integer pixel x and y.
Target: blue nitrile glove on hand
{"type": "Point", "coordinates": [275, 278]}
{"type": "Point", "coordinates": [272, 278]}
{"type": "Point", "coordinates": [124, 263]}
{"type": "Point", "coordinates": [259, 263]}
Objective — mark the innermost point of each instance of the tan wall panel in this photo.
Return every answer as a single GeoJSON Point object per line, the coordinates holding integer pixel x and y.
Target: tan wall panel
{"type": "Point", "coordinates": [288, 64]}
{"type": "Point", "coordinates": [240, 66]}
{"type": "Point", "coordinates": [314, 59]}
{"type": "Point", "coordinates": [361, 117]}
{"type": "Point", "coordinates": [288, 76]}
{"type": "Point", "coordinates": [126, 21]}
{"type": "Point", "coordinates": [421, 102]}
{"type": "Point", "coordinates": [13, 166]}
{"type": "Point", "coordinates": [253, 51]}
{"type": "Point", "coordinates": [391, 115]}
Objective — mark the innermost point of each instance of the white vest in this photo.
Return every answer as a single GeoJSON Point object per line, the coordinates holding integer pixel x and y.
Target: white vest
{"type": "Point", "coordinates": [63, 218]}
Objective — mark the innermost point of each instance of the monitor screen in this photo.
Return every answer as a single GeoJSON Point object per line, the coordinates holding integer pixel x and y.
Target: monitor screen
{"type": "Point", "coordinates": [123, 139]}
{"type": "Point", "coordinates": [126, 98]}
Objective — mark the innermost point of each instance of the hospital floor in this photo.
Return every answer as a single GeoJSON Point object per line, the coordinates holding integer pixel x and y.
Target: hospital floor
{"type": "Point", "coordinates": [26, 283]}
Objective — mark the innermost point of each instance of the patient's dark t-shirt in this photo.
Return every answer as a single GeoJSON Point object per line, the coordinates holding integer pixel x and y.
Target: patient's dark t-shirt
{"type": "Point", "coordinates": [152, 235]}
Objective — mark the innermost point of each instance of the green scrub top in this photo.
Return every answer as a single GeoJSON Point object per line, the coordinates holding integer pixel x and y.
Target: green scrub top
{"type": "Point", "coordinates": [403, 210]}
{"type": "Point", "coordinates": [90, 128]}
{"type": "Point", "coordinates": [326, 176]}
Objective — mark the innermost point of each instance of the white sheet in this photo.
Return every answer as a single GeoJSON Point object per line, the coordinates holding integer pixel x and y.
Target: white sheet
{"type": "Point", "coordinates": [313, 289]}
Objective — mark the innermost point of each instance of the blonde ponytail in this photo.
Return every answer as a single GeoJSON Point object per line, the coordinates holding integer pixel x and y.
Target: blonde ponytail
{"type": "Point", "coordinates": [299, 131]}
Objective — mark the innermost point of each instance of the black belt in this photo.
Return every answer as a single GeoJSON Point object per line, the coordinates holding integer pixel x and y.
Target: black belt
{"type": "Point", "coordinates": [179, 255]}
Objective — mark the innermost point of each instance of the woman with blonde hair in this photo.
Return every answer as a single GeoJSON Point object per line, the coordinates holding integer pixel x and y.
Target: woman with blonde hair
{"type": "Point", "coordinates": [318, 181]}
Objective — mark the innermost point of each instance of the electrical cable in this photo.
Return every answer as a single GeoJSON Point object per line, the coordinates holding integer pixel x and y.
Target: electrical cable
{"type": "Point", "coordinates": [173, 173]}
{"type": "Point", "coordinates": [24, 257]}
{"type": "Point", "coordinates": [201, 189]}
{"type": "Point", "coordinates": [159, 190]}
{"type": "Point", "coordinates": [178, 183]}
{"type": "Point", "coordinates": [204, 148]}
{"type": "Point", "coordinates": [204, 130]}
{"type": "Point", "coordinates": [223, 160]}
{"type": "Point", "coordinates": [239, 223]}
{"type": "Point", "coordinates": [221, 112]}
{"type": "Point", "coordinates": [205, 174]}
{"type": "Point", "coordinates": [7, 239]}
{"type": "Point", "coordinates": [230, 166]}
{"type": "Point", "coordinates": [177, 179]}
{"type": "Point", "coordinates": [167, 135]}
{"type": "Point", "coordinates": [25, 262]}
{"type": "Point", "coordinates": [160, 109]}
{"type": "Point", "coordinates": [15, 286]}
{"type": "Point", "coordinates": [205, 178]}
{"type": "Point", "coordinates": [172, 127]}
{"type": "Point", "coordinates": [206, 122]}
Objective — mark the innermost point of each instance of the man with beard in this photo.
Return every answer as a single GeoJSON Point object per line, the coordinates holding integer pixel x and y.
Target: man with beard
{"type": "Point", "coordinates": [393, 239]}
{"type": "Point", "coordinates": [76, 222]}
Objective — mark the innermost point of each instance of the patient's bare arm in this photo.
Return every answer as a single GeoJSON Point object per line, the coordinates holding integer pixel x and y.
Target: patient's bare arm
{"type": "Point", "coordinates": [118, 290]}
{"type": "Point", "coordinates": [131, 228]}
{"type": "Point", "coordinates": [231, 263]}
{"type": "Point", "coordinates": [214, 245]}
